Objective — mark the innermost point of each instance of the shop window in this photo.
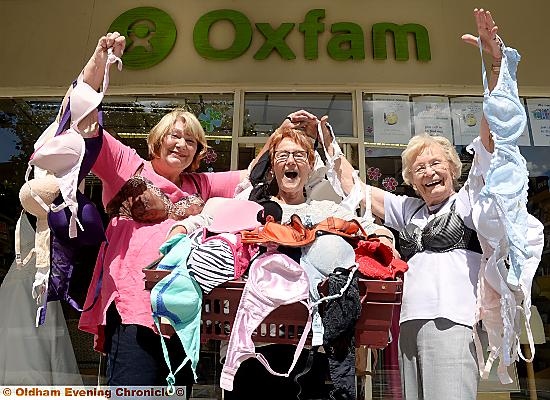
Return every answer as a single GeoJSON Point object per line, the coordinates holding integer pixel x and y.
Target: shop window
{"type": "Point", "coordinates": [391, 120]}
{"type": "Point", "coordinates": [264, 112]}
{"type": "Point", "coordinates": [21, 123]}
{"type": "Point", "coordinates": [131, 121]}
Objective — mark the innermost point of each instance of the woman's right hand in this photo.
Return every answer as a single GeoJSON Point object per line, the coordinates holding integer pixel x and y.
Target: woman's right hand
{"type": "Point", "coordinates": [94, 69]}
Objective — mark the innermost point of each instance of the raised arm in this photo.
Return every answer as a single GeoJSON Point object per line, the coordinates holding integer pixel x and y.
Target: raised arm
{"type": "Point", "coordinates": [92, 78]}
{"type": "Point", "coordinates": [491, 44]}
{"type": "Point", "coordinates": [93, 71]}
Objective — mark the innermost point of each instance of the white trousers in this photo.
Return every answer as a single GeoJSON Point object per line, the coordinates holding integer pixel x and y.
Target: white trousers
{"type": "Point", "coordinates": [437, 360]}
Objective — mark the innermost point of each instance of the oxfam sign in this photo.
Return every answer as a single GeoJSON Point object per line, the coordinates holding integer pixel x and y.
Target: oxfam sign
{"type": "Point", "coordinates": [346, 41]}
{"type": "Point", "coordinates": [150, 36]}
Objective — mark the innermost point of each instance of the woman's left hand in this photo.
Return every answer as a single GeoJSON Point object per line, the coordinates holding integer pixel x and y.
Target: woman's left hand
{"type": "Point", "coordinates": [487, 31]}
{"type": "Point", "coordinates": [303, 120]}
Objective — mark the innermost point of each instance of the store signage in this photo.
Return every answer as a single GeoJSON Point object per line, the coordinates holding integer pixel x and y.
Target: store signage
{"type": "Point", "coordinates": [150, 36]}
{"type": "Point", "coordinates": [346, 43]}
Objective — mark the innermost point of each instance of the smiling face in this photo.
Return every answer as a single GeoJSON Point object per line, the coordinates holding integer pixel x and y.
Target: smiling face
{"type": "Point", "coordinates": [431, 175]}
{"type": "Point", "coordinates": [291, 166]}
{"type": "Point", "coordinates": [178, 147]}
{"type": "Point", "coordinates": [177, 143]}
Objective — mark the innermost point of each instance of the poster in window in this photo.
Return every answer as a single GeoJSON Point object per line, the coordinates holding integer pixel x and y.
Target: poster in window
{"type": "Point", "coordinates": [539, 117]}
{"type": "Point", "coordinates": [432, 115]}
{"type": "Point", "coordinates": [466, 114]}
{"type": "Point", "coordinates": [392, 119]}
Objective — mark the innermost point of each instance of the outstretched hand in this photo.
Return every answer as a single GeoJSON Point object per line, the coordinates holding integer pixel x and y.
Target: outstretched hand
{"type": "Point", "coordinates": [93, 71]}
{"type": "Point", "coordinates": [487, 31]}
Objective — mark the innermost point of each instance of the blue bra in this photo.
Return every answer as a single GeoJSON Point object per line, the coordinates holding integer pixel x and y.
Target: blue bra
{"type": "Point", "coordinates": [502, 106]}
{"type": "Point", "coordinates": [178, 298]}
{"type": "Point", "coordinates": [507, 178]}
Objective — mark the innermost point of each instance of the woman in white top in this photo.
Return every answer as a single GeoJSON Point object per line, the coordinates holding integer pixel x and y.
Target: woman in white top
{"type": "Point", "coordinates": [438, 239]}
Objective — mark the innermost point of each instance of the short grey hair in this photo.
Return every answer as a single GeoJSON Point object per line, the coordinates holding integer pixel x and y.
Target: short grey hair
{"type": "Point", "coordinates": [420, 142]}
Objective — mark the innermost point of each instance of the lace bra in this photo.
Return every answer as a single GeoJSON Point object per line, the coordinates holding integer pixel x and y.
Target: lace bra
{"type": "Point", "coordinates": [502, 106]}
{"type": "Point", "coordinates": [444, 233]}
{"type": "Point", "coordinates": [139, 199]}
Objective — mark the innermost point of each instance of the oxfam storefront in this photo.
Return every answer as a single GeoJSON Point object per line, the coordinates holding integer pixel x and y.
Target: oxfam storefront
{"type": "Point", "coordinates": [381, 72]}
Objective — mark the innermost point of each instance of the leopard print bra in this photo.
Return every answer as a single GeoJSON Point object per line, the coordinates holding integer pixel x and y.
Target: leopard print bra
{"type": "Point", "coordinates": [139, 199]}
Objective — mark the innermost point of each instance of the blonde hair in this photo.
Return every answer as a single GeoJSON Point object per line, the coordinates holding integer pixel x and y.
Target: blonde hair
{"type": "Point", "coordinates": [190, 125]}
{"type": "Point", "coordinates": [418, 143]}
{"type": "Point", "coordinates": [297, 136]}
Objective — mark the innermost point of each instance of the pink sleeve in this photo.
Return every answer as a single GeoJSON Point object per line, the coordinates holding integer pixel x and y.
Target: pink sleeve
{"type": "Point", "coordinates": [213, 184]}
{"type": "Point", "coordinates": [115, 164]}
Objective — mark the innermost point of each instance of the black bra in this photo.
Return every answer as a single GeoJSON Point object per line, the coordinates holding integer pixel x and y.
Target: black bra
{"type": "Point", "coordinates": [443, 233]}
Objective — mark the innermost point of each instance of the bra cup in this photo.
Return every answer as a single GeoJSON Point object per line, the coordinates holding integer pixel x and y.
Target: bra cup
{"type": "Point", "coordinates": [177, 300]}
{"type": "Point", "coordinates": [535, 241]}
{"type": "Point", "coordinates": [328, 252]}
{"type": "Point", "coordinates": [280, 279]}
{"type": "Point", "coordinates": [88, 216]}
{"type": "Point", "coordinates": [487, 222]}
{"type": "Point", "coordinates": [505, 117]}
{"type": "Point", "coordinates": [60, 154]}
{"type": "Point", "coordinates": [45, 188]}
{"type": "Point", "coordinates": [408, 244]}
{"type": "Point", "coordinates": [506, 180]}
{"type": "Point", "coordinates": [233, 215]}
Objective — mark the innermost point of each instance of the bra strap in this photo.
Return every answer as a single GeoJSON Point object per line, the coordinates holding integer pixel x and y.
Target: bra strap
{"type": "Point", "coordinates": [197, 187]}
{"type": "Point", "coordinates": [483, 72]}
{"type": "Point", "coordinates": [171, 378]}
{"type": "Point", "coordinates": [297, 352]}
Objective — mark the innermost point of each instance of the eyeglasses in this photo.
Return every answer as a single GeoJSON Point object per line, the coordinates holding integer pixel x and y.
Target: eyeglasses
{"type": "Point", "coordinates": [436, 166]}
{"type": "Point", "coordinates": [300, 156]}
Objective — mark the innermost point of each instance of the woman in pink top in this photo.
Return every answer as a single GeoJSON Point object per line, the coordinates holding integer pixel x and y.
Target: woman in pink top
{"type": "Point", "coordinates": [144, 200]}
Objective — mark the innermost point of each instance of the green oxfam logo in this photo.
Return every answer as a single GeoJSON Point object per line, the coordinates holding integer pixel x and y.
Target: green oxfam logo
{"type": "Point", "coordinates": [150, 36]}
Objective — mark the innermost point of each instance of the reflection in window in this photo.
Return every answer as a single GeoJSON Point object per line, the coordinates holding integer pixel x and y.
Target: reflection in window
{"type": "Point", "coordinates": [264, 112]}
{"type": "Point", "coordinates": [131, 121]}
{"type": "Point", "coordinates": [22, 121]}
{"type": "Point", "coordinates": [137, 117]}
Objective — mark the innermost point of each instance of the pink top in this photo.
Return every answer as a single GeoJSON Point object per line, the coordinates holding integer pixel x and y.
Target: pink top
{"type": "Point", "coordinates": [133, 245]}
